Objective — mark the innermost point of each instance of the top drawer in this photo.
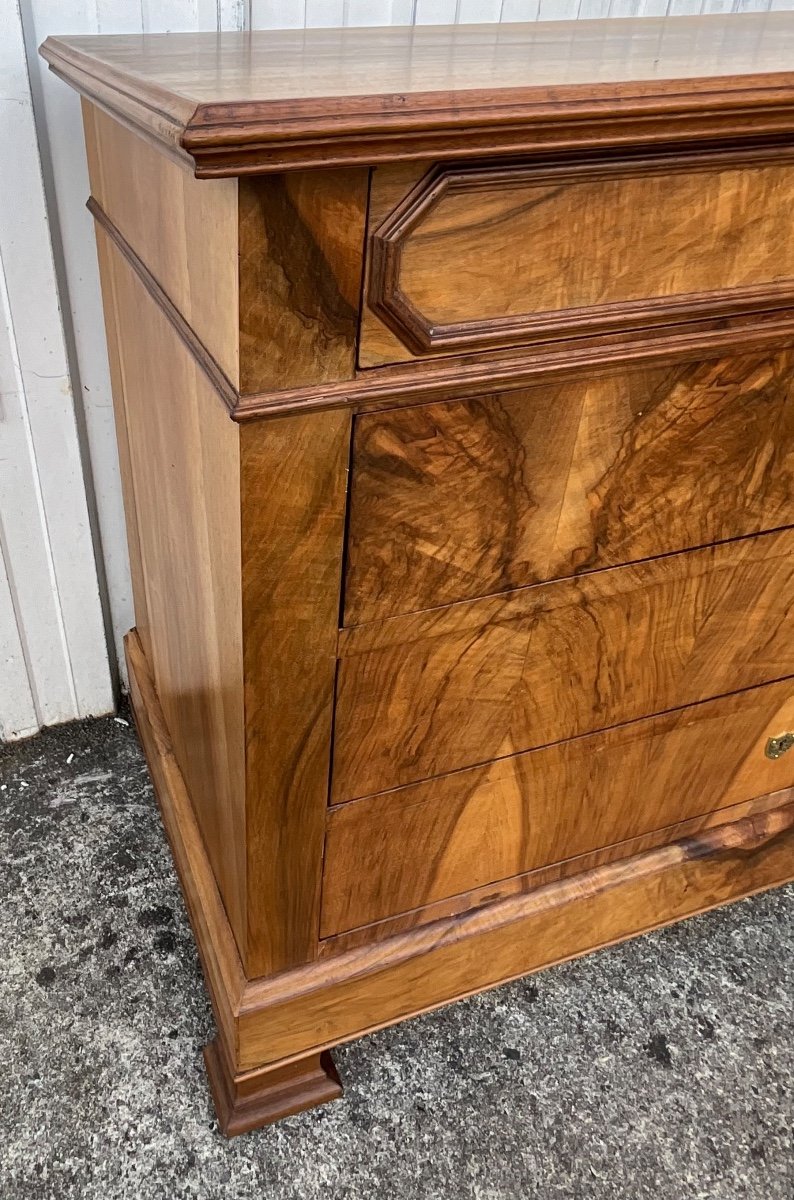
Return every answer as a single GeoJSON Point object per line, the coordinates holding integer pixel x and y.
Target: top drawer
{"type": "Point", "coordinates": [464, 259]}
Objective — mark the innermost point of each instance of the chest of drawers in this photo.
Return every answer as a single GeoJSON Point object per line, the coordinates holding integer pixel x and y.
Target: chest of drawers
{"type": "Point", "coordinates": [454, 384]}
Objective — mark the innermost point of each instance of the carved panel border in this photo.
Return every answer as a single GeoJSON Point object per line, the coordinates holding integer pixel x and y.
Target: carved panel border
{"type": "Point", "coordinates": [388, 300]}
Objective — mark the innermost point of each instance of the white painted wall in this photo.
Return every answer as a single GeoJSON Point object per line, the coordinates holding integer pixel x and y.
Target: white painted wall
{"type": "Point", "coordinates": [54, 660]}
{"type": "Point", "coordinates": [53, 664]}
{"type": "Point", "coordinates": [299, 14]}
{"type": "Point", "coordinates": [63, 163]}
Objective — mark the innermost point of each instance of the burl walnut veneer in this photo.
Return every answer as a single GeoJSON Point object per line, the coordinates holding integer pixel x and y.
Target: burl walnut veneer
{"type": "Point", "coordinates": [454, 382]}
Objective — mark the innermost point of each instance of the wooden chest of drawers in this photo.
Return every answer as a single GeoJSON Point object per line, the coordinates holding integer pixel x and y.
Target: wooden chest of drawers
{"type": "Point", "coordinates": [454, 383]}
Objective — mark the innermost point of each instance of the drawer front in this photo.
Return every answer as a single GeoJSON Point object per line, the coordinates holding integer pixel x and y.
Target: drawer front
{"type": "Point", "coordinates": [480, 257]}
{"type": "Point", "coordinates": [456, 500]}
{"type": "Point", "coordinates": [406, 849]}
{"type": "Point", "coordinates": [433, 692]}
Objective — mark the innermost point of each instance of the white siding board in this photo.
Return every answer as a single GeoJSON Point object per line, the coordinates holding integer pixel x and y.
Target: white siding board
{"type": "Point", "coordinates": [379, 12]}
{"type": "Point", "coordinates": [18, 717]}
{"type": "Point", "coordinates": [324, 14]}
{"type": "Point", "coordinates": [63, 152]}
{"type": "Point", "coordinates": [26, 546]}
{"type": "Point", "coordinates": [48, 549]}
{"type": "Point", "coordinates": [519, 10]}
{"type": "Point", "coordinates": [113, 16]}
{"type": "Point", "coordinates": [279, 14]}
{"type": "Point", "coordinates": [295, 14]}
{"type": "Point", "coordinates": [435, 12]}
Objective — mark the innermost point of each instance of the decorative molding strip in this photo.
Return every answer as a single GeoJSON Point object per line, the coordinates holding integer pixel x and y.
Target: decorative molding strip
{"type": "Point", "coordinates": [247, 139]}
{"type": "Point", "coordinates": [556, 95]}
{"type": "Point", "coordinates": [544, 876]}
{"type": "Point", "coordinates": [447, 378]}
{"type": "Point", "coordinates": [151, 112]}
{"type": "Point", "coordinates": [267, 1021]}
{"type": "Point", "coordinates": [218, 952]}
{"type": "Point", "coordinates": [388, 299]}
{"type": "Point", "coordinates": [217, 377]}
{"type": "Point", "coordinates": [364, 989]}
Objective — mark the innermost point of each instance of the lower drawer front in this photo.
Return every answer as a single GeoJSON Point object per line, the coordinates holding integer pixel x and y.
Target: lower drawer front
{"type": "Point", "coordinates": [408, 848]}
{"type": "Point", "coordinates": [433, 692]}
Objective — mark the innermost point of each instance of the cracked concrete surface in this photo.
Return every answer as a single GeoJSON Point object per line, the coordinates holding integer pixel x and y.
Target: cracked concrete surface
{"type": "Point", "coordinates": [659, 1069]}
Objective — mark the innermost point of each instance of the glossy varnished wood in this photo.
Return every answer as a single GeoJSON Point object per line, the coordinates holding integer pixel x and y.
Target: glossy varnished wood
{"type": "Point", "coordinates": [457, 500]}
{"type": "Point", "coordinates": [257, 1098]}
{"type": "Point", "coordinates": [264, 274]}
{"type": "Point", "coordinates": [259, 101]}
{"type": "Point", "coordinates": [402, 385]}
{"type": "Point", "coordinates": [217, 945]}
{"type": "Point", "coordinates": [237, 542]}
{"type": "Point", "coordinates": [301, 238]}
{"type": "Point", "coordinates": [225, 391]}
{"type": "Point", "coordinates": [528, 443]}
{"type": "Point", "coordinates": [244, 1100]}
{"type": "Point", "coordinates": [272, 1022]}
{"type": "Point", "coordinates": [384, 982]}
{"type": "Point", "coordinates": [489, 823]}
{"type": "Point", "coordinates": [435, 691]}
{"type": "Point", "coordinates": [183, 233]}
{"type": "Point", "coordinates": [293, 510]}
{"type": "Point", "coordinates": [113, 331]}
{"type": "Point", "coordinates": [183, 514]}
{"type": "Point", "coordinates": [530, 881]}
{"type": "Point", "coordinates": [496, 256]}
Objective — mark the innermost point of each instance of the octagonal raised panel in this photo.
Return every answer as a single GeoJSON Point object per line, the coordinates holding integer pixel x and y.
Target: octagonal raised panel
{"type": "Point", "coordinates": [481, 257]}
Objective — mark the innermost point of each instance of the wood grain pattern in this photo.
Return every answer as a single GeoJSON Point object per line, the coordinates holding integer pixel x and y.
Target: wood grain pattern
{"type": "Point", "coordinates": [495, 256]}
{"type": "Point", "coordinates": [376, 985]}
{"type": "Point", "coordinates": [183, 231]}
{"type": "Point", "coordinates": [114, 331]}
{"type": "Point", "coordinates": [266, 275]}
{"type": "Point", "coordinates": [426, 380]}
{"type": "Point", "coordinates": [244, 1100]}
{"type": "Point", "coordinates": [249, 1101]}
{"type": "Point", "coordinates": [292, 1015]}
{"type": "Point", "coordinates": [185, 461]}
{"type": "Point", "coordinates": [489, 823]}
{"type": "Point", "coordinates": [225, 390]}
{"type": "Point", "coordinates": [457, 500]}
{"type": "Point", "coordinates": [530, 881]}
{"type": "Point", "coordinates": [263, 101]}
{"type": "Point", "coordinates": [220, 959]}
{"type": "Point", "coordinates": [439, 690]}
{"type": "Point", "coordinates": [575, 756]}
{"type": "Point", "coordinates": [301, 240]}
{"type": "Point", "coordinates": [410, 383]}
{"type": "Point", "coordinates": [293, 498]}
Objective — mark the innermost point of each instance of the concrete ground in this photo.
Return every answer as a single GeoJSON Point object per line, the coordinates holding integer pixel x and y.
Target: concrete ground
{"type": "Point", "coordinates": [660, 1069]}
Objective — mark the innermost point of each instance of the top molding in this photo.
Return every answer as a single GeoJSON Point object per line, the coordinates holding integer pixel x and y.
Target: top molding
{"type": "Point", "coordinates": [249, 103]}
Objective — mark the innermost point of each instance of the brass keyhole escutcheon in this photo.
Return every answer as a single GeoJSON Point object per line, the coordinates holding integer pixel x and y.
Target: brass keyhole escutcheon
{"type": "Point", "coordinates": [776, 747]}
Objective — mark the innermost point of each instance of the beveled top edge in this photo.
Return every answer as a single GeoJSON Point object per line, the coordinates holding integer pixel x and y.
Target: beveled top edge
{"type": "Point", "coordinates": [264, 94]}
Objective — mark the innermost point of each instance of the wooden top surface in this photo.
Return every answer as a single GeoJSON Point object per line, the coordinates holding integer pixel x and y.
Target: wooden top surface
{"type": "Point", "coordinates": [201, 92]}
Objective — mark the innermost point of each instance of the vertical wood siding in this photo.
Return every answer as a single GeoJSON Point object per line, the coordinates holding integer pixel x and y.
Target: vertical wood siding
{"type": "Point", "coordinates": [299, 14]}
{"type": "Point", "coordinates": [59, 128]}
{"type": "Point", "coordinates": [52, 639]}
